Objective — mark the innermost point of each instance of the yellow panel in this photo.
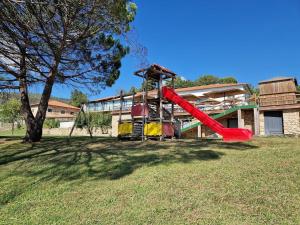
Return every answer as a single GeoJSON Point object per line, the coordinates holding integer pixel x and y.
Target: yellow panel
{"type": "Point", "coordinates": [153, 129]}
{"type": "Point", "coordinates": [125, 128]}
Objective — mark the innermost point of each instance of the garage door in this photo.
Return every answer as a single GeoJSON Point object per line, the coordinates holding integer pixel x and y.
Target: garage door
{"type": "Point", "coordinates": [273, 123]}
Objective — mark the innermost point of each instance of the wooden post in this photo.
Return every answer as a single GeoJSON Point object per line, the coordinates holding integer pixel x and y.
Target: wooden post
{"type": "Point", "coordinates": [172, 109]}
{"type": "Point", "coordinates": [160, 104]}
{"type": "Point", "coordinates": [132, 119]}
{"type": "Point", "coordinates": [121, 105]}
{"type": "Point", "coordinates": [75, 122]}
{"type": "Point", "coordinates": [143, 117]}
{"type": "Point", "coordinates": [199, 132]}
{"type": "Point", "coordinates": [133, 95]}
{"type": "Point", "coordinates": [88, 127]}
{"type": "Point", "coordinates": [256, 121]}
{"type": "Point", "coordinates": [240, 120]}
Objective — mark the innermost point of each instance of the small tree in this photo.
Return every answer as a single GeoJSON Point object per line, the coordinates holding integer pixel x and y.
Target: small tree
{"type": "Point", "coordinates": [94, 121]}
{"type": "Point", "coordinates": [206, 80]}
{"type": "Point", "coordinates": [211, 79]}
{"type": "Point", "coordinates": [102, 121]}
{"type": "Point", "coordinates": [181, 83]}
{"type": "Point", "coordinates": [254, 89]}
{"type": "Point", "coordinates": [10, 112]}
{"type": "Point", "coordinates": [78, 98]}
{"type": "Point", "coordinates": [228, 80]}
{"type": "Point", "coordinates": [51, 123]}
{"type": "Point", "coordinates": [132, 90]}
{"type": "Point", "coordinates": [151, 85]}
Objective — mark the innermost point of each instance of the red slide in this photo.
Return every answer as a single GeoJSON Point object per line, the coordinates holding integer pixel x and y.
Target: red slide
{"type": "Point", "coordinates": [229, 134]}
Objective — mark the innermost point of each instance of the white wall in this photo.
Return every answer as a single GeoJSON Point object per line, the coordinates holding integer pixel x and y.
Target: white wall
{"type": "Point", "coordinates": [66, 124]}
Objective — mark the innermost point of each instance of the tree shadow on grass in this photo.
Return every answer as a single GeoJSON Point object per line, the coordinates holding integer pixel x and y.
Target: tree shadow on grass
{"type": "Point", "coordinates": [104, 158]}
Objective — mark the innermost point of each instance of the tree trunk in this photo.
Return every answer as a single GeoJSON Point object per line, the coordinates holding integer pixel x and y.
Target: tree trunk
{"type": "Point", "coordinates": [33, 133]}
{"type": "Point", "coordinates": [34, 125]}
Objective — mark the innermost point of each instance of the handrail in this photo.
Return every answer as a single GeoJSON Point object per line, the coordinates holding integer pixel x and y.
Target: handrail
{"type": "Point", "coordinates": [219, 115]}
{"type": "Point", "coordinates": [177, 109]}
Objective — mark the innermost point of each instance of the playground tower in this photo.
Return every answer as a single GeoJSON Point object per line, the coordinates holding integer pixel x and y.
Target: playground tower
{"type": "Point", "coordinates": [152, 116]}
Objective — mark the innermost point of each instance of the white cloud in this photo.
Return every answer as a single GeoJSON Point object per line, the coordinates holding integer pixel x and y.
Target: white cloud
{"type": "Point", "coordinates": [182, 78]}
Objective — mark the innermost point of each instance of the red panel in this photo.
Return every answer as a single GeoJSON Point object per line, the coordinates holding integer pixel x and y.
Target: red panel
{"type": "Point", "coordinates": [139, 110]}
{"type": "Point", "coordinates": [229, 134]}
{"type": "Point", "coordinates": [168, 129]}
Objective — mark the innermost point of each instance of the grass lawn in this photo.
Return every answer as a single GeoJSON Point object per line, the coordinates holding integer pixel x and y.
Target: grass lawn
{"type": "Point", "coordinates": [17, 133]}
{"type": "Point", "coordinates": [103, 181]}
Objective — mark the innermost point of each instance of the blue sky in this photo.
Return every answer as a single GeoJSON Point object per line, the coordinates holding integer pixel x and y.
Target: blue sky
{"type": "Point", "coordinates": [251, 40]}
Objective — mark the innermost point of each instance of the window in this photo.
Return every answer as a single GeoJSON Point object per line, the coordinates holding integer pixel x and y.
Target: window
{"type": "Point", "coordinates": [232, 123]}
{"type": "Point", "coordinates": [72, 113]}
{"type": "Point", "coordinates": [49, 110]}
{"type": "Point", "coordinates": [62, 112]}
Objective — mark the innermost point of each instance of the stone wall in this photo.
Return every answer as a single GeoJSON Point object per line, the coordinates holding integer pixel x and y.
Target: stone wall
{"type": "Point", "coordinates": [291, 121]}
{"type": "Point", "coordinates": [76, 132]}
{"type": "Point", "coordinates": [206, 131]}
{"type": "Point", "coordinates": [190, 134]}
{"type": "Point", "coordinates": [5, 126]}
{"type": "Point", "coordinates": [261, 123]}
{"type": "Point", "coordinates": [248, 119]}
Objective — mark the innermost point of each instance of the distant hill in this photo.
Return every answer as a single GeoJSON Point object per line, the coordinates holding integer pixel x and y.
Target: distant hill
{"type": "Point", "coordinates": [33, 97]}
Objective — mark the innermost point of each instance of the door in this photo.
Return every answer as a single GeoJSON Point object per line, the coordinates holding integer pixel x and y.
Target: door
{"type": "Point", "coordinates": [273, 123]}
{"type": "Point", "coordinates": [232, 123]}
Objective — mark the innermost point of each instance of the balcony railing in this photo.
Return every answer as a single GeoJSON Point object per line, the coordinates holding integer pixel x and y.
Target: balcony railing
{"type": "Point", "coordinates": [223, 105]}
{"type": "Point", "coordinates": [209, 107]}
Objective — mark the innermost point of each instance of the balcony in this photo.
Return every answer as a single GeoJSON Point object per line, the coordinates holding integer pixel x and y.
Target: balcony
{"type": "Point", "coordinates": [211, 105]}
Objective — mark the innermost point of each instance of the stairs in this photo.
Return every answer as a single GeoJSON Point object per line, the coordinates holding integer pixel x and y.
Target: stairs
{"type": "Point", "coordinates": [226, 112]}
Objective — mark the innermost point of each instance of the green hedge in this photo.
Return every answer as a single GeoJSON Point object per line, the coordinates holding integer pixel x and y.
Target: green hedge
{"type": "Point", "coordinates": [51, 123]}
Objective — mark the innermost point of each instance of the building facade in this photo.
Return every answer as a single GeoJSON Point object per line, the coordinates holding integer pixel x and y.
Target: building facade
{"type": "Point", "coordinates": [276, 111]}
{"type": "Point", "coordinates": [60, 111]}
{"type": "Point", "coordinates": [279, 107]}
{"type": "Point", "coordinates": [231, 103]}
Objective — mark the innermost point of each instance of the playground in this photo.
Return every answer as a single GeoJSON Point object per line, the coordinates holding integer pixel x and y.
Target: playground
{"type": "Point", "coordinates": [104, 181]}
{"type": "Point", "coordinates": [133, 112]}
{"type": "Point", "coordinates": [152, 116]}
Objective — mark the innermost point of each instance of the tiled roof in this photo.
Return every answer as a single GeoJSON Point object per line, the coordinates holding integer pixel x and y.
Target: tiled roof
{"type": "Point", "coordinates": [278, 79]}
{"type": "Point", "coordinates": [106, 98]}
{"type": "Point", "coordinates": [156, 69]}
{"type": "Point", "coordinates": [208, 87]}
{"type": "Point", "coordinates": [157, 66]}
{"type": "Point", "coordinates": [55, 103]}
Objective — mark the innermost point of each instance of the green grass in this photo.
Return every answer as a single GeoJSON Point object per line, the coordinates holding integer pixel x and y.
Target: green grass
{"type": "Point", "coordinates": [17, 133]}
{"type": "Point", "coordinates": [103, 181]}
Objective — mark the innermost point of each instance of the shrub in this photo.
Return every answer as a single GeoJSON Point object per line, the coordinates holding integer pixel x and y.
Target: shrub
{"type": "Point", "coordinates": [51, 123]}
{"type": "Point", "coordinates": [93, 120]}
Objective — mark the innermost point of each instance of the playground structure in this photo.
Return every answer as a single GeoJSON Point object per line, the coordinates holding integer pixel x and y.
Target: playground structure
{"type": "Point", "coordinates": [152, 116]}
